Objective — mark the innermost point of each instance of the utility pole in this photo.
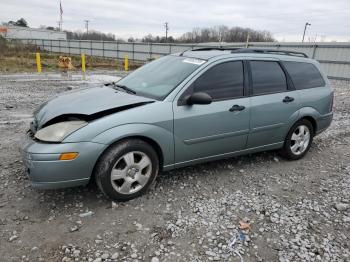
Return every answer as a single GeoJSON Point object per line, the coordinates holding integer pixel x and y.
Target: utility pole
{"type": "Point", "coordinates": [61, 19]}
{"type": "Point", "coordinates": [166, 25]}
{"type": "Point", "coordinates": [306, 24]}
{"type": "Point", "coordinates": [87, 26]}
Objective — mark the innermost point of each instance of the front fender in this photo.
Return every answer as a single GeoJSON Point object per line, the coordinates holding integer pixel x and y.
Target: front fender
{"type": "Point", "coordinates": [163, 137]}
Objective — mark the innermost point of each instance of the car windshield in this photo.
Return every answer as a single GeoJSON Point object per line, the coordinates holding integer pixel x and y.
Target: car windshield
{"type": "Point", "coordinates": [158, 78]}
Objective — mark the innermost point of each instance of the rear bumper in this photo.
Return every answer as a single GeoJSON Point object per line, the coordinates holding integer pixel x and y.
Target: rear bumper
{"type": "Point", "coordinates": [323, 122]}
{"type": "Point", "coordinates": [46, 171]}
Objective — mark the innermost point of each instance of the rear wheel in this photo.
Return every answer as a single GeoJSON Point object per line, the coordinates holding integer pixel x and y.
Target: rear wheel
{"type": "Point", "coordinates": [127, 169]}
{"type": "Point", "coordinates": [298, 140]}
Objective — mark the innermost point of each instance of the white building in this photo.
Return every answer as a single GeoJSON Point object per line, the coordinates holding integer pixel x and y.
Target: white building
{"type": "Point", "coordinates": [19, 32]}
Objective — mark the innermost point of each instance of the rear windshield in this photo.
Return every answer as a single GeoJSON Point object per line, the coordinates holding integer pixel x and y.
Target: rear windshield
{"type": "Point", "coordinates": [304, 75]}
{"type": "Point", "coordinates": [158, 78]}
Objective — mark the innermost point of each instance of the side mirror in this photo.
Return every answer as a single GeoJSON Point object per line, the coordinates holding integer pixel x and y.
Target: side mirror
{"type": "Point", "coordinates": [199, 98]}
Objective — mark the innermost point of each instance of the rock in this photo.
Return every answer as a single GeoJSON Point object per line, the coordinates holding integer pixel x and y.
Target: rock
{"type": "Point", "coordinates": [138, 226]}
{"type": "Point", "coordinates": [86, 214]}
{"type": "Point", "coordinates": [76, 253]}
{"type": "Point", "coordinates": [115, 255]}
{"type": "Point", "coordinates": [114, 205]}
{"type": "Point", "coordinates": [133, 255]}
{"type": "Point", "coordinates": [210, 253]}
{"type": "Point", "coordinates": [34, 249]}
{"type": "Point", "coordinates": [341, 206]}
{"type": "Point", "coordinates": [13, 238]}
{"type": "Point", "coordinates": [155, 259]}
{"type": "Point", "coordinates": [74, 228]}
{"type": "Point", "coordinates": [105, 256]}
{"type": "Point", "coordinates": [346, 219]}
{"type": "Point", "coordinates": [98, 259]}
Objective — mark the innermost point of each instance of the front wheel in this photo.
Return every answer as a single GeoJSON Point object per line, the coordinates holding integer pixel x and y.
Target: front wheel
{"type": "Point", "coordinates": [127, 169]}
{"type": "Point", "coordinates": [298, 140]}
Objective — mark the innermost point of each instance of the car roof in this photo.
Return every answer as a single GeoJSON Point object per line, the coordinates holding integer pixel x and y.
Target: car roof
{"type": "Point", "coordinates": [219, 53]}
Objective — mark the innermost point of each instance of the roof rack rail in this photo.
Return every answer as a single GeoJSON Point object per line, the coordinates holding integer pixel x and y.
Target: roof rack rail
{"type": "Point", "coordinates": [220, 48]}
{"type": "Point", "coordinates": [253, 50]}
{"type": "Point", "coordinates": [270, 51]}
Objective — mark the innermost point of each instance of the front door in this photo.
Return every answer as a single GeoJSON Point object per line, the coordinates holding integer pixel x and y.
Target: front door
{"type": "Point", "coordinates": [203, 132]}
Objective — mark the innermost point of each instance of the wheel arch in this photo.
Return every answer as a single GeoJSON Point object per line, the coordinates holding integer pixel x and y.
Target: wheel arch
{"type": "Point", "coordinates": [313, 122]}
{"type": "Point", "coordinates": [146, 139]}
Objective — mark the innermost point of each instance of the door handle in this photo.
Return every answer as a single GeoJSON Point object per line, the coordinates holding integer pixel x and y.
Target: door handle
{"type": "Point", "coordinates": [236, 108]}
{"type": "Point", "coordinates": [288, 99]}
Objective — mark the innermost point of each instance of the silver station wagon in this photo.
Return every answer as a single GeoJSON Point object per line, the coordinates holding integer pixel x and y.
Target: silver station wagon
{"type": "Point", "coordinates": [179, 110]}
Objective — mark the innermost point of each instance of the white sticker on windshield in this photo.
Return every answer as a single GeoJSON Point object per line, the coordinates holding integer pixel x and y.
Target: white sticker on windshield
{"type": "Point", "coordinates": [193, 61]}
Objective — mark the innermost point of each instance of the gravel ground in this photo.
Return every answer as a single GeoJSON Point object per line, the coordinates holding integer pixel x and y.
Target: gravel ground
{"type": "Point", "coordinates": [252, 208]}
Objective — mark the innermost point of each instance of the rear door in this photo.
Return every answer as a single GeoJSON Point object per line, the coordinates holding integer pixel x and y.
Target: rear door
{"type": "Point", "coordinates": [274, 103]}
{"type": "Point", "coordinates": [214, 130]}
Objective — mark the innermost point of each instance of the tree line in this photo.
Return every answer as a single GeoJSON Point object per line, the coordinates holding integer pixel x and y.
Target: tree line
{"type": "Point", "coordinates": [215, 34]}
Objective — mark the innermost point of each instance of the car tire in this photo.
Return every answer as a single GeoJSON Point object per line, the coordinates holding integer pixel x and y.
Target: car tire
{"type": "Point", "coordinates": [298, 140]}
{"type": "Point", "coordinates": [127, 169]}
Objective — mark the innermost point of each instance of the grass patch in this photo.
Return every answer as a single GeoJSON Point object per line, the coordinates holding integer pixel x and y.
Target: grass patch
{"type": "Point", "coordinates": [16, 57]}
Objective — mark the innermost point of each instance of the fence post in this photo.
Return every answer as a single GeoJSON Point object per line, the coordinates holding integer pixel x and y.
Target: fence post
{"type": "Point", "coordinates": [314, 51]}
{"type": "Point", "coordinates": [51, 45]}
{"type": "Point", "coordinates": [83, 63]}
{"type": "Point", "coordinates": [126, 63]}
{"type": "Point", "coordinates": [150, 51]}
{"type": "Point", "coordinates": [169, 48]}
{"type": "Point", "coordinates": [59, 46]}
{"type": "Point", "coordinates": [133, 51]}
{"type": "Point", "coordinates": [103, 49]}
{"type": "Point", "coordinates": [38, 62]}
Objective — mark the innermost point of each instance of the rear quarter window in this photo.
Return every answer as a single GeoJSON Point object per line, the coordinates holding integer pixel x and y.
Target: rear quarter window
{"type": "Point", "coordinates": [304, 75]}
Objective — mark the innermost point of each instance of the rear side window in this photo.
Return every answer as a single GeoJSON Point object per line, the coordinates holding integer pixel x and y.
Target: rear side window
{"type": "Point", "coordinates": [304, 75]}
{"type": "Point", "coordinates": [222, 81]}
{"type": "Point", "coordinates": [268, 77]}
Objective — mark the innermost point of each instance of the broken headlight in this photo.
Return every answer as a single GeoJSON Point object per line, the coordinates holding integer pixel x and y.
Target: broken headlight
{"type": "Point", "coordinates": [57, 132]}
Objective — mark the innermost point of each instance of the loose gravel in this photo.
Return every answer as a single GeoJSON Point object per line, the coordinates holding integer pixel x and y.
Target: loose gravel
{"type": "Point", "coordinates": [258, 207]}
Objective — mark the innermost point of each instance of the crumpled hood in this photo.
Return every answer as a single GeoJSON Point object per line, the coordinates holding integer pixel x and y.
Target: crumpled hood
{"type": "Point", "coordinates": [85, 102]}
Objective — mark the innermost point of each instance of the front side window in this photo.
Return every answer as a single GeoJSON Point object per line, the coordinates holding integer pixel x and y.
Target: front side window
{"type": "Point", "coordinates": [304, 75]}
{"type": "Point", "coordinates": [268, 77]}
{"type": "Point", "coordinates": [221, 81]}
{"type": "Point", "coordinates": [158, 78]}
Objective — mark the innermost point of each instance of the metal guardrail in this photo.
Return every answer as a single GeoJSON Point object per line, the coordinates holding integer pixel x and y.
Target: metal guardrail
{"type": "Point", "coordinates": [334, 57]}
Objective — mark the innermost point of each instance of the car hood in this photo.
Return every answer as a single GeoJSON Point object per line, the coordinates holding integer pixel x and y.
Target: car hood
{"type": "Point", "coordinates": [97, 101]}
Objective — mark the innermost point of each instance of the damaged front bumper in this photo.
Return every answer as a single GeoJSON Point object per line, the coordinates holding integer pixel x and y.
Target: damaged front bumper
{"type": "Point", "coordinates": [47, 171]}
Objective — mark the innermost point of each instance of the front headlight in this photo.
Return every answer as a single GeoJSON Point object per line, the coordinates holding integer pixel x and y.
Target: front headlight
{"type": "Point", "coordinates": [57, 132]}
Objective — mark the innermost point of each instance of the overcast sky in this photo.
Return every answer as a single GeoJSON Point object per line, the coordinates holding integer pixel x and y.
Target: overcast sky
{"type": "Point", "coordinates": [285, 19]}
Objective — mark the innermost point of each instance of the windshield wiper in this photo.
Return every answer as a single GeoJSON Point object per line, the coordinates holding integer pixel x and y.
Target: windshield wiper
{"type": "Point", "coordinates": [123, 87]}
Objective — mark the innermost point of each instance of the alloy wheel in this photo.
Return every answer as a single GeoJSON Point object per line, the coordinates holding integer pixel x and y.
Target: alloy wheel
{"type": "Point", "coordinates": [131, 172]}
